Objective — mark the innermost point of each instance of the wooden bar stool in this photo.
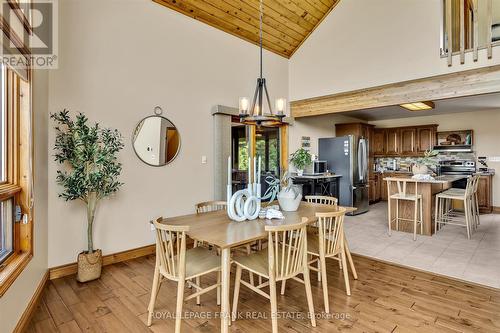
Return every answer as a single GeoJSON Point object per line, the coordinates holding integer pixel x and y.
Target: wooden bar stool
{"type": "Point", "coordinates": [403, 195]}
{"type": "Point", "coordinates": [284, 258]}
{"type": "Point", "coordinates": [474, 203]}
{"type": "Point", "coordinates": [446, 214]}
{"type": "Point", "coordinates": [174, 262]}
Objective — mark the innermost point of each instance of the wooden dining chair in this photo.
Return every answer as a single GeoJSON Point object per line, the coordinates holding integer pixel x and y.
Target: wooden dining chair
{"type": "Point", "coordinates": [175, 263]}
{"type": "Point", "coordinates": [213, 206]}
{"type": "Point", "coordinates": [210, 206]}
{"type": "Point", "coordinates": [207, 207]}
{"type": "Point", "coordinates": [322, 199]}
{"type": "Point", "coordinates": [284, 258]}
{"type": "Point", "coordinates": [328, 243]}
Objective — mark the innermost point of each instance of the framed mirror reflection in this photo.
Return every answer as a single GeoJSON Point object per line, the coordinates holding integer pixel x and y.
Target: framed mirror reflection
{"type": "Point", "coordinates": [156, 140]}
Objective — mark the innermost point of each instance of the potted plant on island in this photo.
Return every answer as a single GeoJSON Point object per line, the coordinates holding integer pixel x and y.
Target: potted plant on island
{"type": "Point", "coordinates": [422, 164]}
{"type": "Point", "coordinates": [301, 158]}
{"type": "Point", "coordinates": [90, 173]}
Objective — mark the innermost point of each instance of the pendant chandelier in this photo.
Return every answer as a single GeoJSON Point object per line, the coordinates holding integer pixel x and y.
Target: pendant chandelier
{"type": "Point", "coordinates": [255, 114]}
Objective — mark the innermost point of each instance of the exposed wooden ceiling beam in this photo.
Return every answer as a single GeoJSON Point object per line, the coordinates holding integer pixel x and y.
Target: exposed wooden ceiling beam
{"type": "Point", "coordinates": [467, 83]}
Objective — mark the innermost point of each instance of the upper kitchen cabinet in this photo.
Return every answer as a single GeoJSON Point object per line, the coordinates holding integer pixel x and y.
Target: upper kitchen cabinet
{"type": "Point", "coordinates": [408, 140]}
{"type": "Point", "coordinates": [358, 129]}
{"type": "Point", "coordinates": [393, 142]}
{"type": "Point", "coordinates": [377, 143]}
{"type": "Point", "coordinates": [403, 141]}
{"type": "Point", "coordinates": [426, 138]}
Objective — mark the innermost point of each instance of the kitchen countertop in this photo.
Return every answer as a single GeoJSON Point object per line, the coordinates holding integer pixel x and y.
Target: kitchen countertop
{"type": "Point", "coordinates": [437, 180]}
{"type": "Point", "coordinates": [317, 176]}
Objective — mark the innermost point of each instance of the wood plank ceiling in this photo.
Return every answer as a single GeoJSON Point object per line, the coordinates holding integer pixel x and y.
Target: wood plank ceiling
{"type": "Point", "coordinates": [287, 23]}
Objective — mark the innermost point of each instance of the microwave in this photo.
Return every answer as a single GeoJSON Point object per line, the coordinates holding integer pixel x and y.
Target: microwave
{"type": "Point", "coordinates": [319, 167]}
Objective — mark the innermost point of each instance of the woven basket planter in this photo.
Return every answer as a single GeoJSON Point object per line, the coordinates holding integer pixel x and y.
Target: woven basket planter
{"type": "Point", "coordinates": [89, 266]}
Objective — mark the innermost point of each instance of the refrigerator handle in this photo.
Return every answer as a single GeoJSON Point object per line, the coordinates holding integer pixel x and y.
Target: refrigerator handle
{"type": "Point", "coordinates": [360, 160]}
{"type": "Point", "coordinates": [365, 158]}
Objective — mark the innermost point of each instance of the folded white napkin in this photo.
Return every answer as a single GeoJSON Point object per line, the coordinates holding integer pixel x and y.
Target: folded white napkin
{"type": "Point", "coordinates": [274, 214]}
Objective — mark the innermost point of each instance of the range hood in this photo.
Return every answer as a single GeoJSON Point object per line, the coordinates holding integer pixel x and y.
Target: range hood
{"type": "Point", "coordinates": [453, 148]}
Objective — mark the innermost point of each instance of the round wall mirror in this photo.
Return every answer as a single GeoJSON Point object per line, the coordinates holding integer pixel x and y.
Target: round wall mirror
{"type": "Point", "coordinates": [156, 140]}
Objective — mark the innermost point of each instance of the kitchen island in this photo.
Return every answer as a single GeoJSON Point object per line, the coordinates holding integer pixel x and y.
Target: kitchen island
{"type": "Point", "coordinates": [428, 189]}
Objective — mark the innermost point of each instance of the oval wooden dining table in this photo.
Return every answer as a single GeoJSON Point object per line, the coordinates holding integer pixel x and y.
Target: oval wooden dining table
{"type": "Point", "coordinates": [217, 229]}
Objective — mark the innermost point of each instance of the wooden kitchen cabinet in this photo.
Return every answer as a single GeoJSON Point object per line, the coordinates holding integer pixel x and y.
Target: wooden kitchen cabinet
{"type": "Point", "coordinates": [392, 146]}
{"type": "Point", "coordinates": [403, 141]}
{"type": "Point", "coordinates": [408, 140]}
{"type": "Point", "coordinates": [485, 194]}
{"type": "Point", "coordinates": [378, 142]}
{"type": "Point", "coordinates": [426, 138]}
{"type": "Point", "coordinates": [358, 129]}
{"type": "Point", "coordinates": [374, 189]}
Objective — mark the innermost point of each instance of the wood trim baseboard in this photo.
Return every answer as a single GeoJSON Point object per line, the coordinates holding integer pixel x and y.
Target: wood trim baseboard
{"type": "Point", "coordinates": [23, 322]}
{"type": "Point", "coordinates": [70, 269]}
{"type": "Point", "coordinates": [496, 210]}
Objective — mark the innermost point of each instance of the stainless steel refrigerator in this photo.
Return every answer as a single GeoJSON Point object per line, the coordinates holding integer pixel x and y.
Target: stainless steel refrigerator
{"type": "Point", "coordinates": [348, 156]}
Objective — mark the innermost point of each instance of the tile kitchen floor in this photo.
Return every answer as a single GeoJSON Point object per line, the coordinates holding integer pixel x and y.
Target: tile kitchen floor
{"type": "Point", "coordinates": [448, 253]}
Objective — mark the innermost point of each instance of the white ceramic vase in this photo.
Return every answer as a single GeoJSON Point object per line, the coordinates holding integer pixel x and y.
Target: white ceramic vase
{"type": "Point", "coordinates": [289, 200]}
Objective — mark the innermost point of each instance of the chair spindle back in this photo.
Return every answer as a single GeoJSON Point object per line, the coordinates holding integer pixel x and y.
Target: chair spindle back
{"type": "Point", "coordinates": [322, 199]}
{"type": "Point", "coordinates": [287, 249]}
{"type": "Point", "coordinates": [171, 248]}
{"type": "Point", "coordinates": [331, 231]}
{"type": "Point", "coordinates": [210, 206]}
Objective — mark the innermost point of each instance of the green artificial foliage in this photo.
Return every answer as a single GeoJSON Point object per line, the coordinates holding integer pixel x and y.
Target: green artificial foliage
{"type": "Point", "coordinates": [88, 154]}
{"type": "Point", "coordinates": [301, 158]}
{"type": "Point", "coordinates": [429, 159]}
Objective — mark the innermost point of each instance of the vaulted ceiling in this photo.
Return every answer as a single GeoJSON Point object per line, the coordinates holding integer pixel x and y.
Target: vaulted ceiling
{"type": "Point", "coordinates": [287, 23]}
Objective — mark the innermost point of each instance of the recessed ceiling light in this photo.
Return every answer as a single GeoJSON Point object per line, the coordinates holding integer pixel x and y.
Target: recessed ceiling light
{"type": "Point", "coordinates": [418, 106]}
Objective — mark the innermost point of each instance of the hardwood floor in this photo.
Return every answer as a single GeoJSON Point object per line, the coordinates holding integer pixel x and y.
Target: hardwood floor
{"type": "Point", "coordinates": [386, 298]}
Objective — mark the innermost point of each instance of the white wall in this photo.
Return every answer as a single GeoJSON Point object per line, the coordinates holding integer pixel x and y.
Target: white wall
{"type": "Point", "coordinates": [315, 128]}
{"type": "Point", "coordinates": [15, 300]}
{"type": "Point", "coordinates": [485, 125]}
{"type": "Point", "coordinates": [369, 43]}
{"type": "Point", "coordinates": [119, 59]}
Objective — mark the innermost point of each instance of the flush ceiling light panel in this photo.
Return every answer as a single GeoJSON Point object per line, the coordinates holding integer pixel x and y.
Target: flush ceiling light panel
{"type": "Point", "coordinates": [418, 106]}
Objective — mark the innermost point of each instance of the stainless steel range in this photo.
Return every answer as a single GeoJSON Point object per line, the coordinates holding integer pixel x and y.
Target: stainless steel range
{"type": "Point", "coordinates": [457, 167]}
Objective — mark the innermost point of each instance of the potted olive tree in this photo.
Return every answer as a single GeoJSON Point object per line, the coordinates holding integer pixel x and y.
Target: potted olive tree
{"type": "Point", "coordinates": [301, 158]}
{"type": "Point", "coordinates": [90, 171]}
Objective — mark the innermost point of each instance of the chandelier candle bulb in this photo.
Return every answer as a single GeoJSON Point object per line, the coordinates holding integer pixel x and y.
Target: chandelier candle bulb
{"type": "Point", "coordinates": [243, 105]}
{"type": "Point", "coordinates": [280, 105]}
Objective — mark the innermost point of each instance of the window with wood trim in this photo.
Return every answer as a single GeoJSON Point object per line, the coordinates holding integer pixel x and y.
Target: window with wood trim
{"type": "Point", "coordinates": [15, 176]}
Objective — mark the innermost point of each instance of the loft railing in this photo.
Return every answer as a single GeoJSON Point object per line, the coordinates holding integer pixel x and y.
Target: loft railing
{"type": "Point", "coordinates": [468, 26]}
